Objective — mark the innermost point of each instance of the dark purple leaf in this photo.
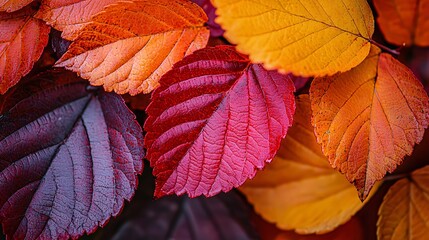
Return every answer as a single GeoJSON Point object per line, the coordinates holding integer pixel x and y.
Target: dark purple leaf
{"type": "Point", "coordinates": [224, 216]}
{"type": "Point", "coordinates": [206, 5]}
{"type": "Point", "coordinates": [69, 157]}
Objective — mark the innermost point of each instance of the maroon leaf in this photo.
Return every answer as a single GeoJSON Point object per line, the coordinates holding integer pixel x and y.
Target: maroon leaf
{"type": "Point", "coordinates": [214, 120]}
{"type": "Point", "coordinates": [69, 156]}
{"type": "Point", "coordinates": [209, 9]}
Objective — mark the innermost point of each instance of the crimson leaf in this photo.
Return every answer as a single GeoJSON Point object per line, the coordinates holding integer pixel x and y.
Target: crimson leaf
{"type": "Point", "coordinates": [214, 120]}
{"type": "Point", "coordinates": [69, 156]}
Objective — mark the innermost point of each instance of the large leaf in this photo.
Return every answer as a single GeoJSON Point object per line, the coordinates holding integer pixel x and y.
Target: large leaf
{"type": "Point", "coordinates": [404, 21]}
{"type": "Point", "coordinates": [69, 156]}
{"type": "Point", "coordinates": [224, 216]}
{"type": "Point", "coordinates": [70, 16]}
{"type": "Point", "coordinates": [214, 121]}
{"type": "Point", "coordinates": [22, 39]}
{"type": "Point", "coordinates": [299, 190]}
{"type": "Point", "coordinates": [305, 37]}
{"type": "Point", "coordinates": [13, 5]}
{"type": "Point", "coordinates": [404, 213]}
{"type": "Point", "coordinates": [130, 45]}
{"type": "Point", "coordinates": [369, 118]}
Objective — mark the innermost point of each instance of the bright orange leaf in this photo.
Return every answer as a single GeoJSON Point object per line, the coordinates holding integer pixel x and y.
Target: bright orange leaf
{"type": "Point", "coordinates": [404, 213]}
{"type": "Point", "coordinates": [299, 190]}
{"type": "Point", "coordinates": [404, 21]}
{"type": "Point", "coordinates": [369, 118]}
{"type": "Point", "coordinates": [13, 5]}
{"type": "Point", "coordinates": [22, 39]}
{"type": "Point", "coordinates": [305, 37]}
{"type": "Point", "coordinates": [129, 46]}
{"type": "Point", "coordinates": [71, 15]}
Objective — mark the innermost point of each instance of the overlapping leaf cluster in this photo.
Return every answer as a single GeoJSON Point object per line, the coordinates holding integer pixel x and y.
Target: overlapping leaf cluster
{"type": "Point", "coordinates": [70, 152]}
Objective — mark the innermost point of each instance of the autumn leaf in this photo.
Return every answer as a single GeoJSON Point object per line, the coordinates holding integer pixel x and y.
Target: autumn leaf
{"type": "Point", "coordinates": [305, 37]}
{"type": "Point", "coordinates": [129, 46]}
{"type": "Point", "coordinates": [22, 39]}
{"type": "Point", "coordinates": [299, 190]}
{"type": "Point", "coordinates": [209, 9]}
{"type": "Point", "coordinates": [70, 16]}
{"type": "Point", "coordinates": [222, 217]}
{"type": "Point", "coordinates": [69, 156]}
{"type": "Point", "coordinates": [369, 118]}
{"type": "Point", "coordinates": [404, 213]}
{"type": "Point", "coordinates": [13, 5]}
{"type": "Point", "coordinates": [215, 120]}
{"type": "Point", "coordinates": [404, 21]}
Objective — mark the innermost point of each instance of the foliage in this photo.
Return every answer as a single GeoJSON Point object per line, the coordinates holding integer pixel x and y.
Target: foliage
{"type": "Point", "coordinates": [307, 85]}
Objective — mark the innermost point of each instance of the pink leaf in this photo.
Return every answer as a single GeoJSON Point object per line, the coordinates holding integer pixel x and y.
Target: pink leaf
{"type": "Point", "coordinates": [69, 156]}
{"type": "Point", "coordinates": [214, 120]}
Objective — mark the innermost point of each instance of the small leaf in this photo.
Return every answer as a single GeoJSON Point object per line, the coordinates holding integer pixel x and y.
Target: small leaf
{"type": "Point", "coordinates": [129, 46]}
{"type": "Point", "coordinates": [22, 39]}
{"type": "Point", "coordinates": [369, 118]}
{"type": "Point", "coordinates": [70, 16]}
{"type": "Point", "coordinates": [404, 213]}
{"type": "Point", "coordinates": [404, 21]}
{"type": "Point", "coordinates": [305, 37]}
{"type": "Point", "coordinates": [299, 190]}
{"type": "Point", "coordinates": [69, 156]}
{"type": "Point", "coordinates": [209, 9]}
{"type": "Point", "coordinates": [214, 121]}
{"type": "Point", "coordinates": [13, 5]}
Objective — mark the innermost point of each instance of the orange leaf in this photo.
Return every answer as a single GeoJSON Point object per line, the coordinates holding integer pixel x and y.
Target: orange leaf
{"type": "Point", "coordinates": [404, 21]}
{"type": "Point", "coordinates": [129, 46]}
{"type": "Point", "coordinates": [13, 5]}
{"type": "Point", "coordinates": [369, 118]}
{"type": "Point", "coordinates": [404, 213]}
{"type": "Point", "coordinates": [70, 16]}
{"type": "Point", "coordinates": [299, 190]}
{"type": "Point", "coordinates": [22, 39]}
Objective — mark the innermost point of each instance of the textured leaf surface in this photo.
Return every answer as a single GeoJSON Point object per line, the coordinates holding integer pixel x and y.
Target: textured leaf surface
{"type": "Point", "coordinates": [305, 37]}
{"type": "Point", "coordinates": [224, 216]}
{"type": "Point", "coordinates": [13, 5]}
{"type": "Point", "coordinates": [369, 124]}
{"type": "Point", "coordinates": [22, 39]}
{"type": "Point", "coordinates": [299, 190]}
{"type": "Point", "coordinates": [404, 213]}
{"type": "Point", "coordinates": [404, 21]}
{"type": "Point", "coordinates": [215, 120]}
{"type": "Point", "coordinates": [69, 155]}
{"type": "Point", "coordinates": [209, 9]}
{"type": "Point", "coordinates": [129, 46]}
{"type": "Point", "coordinates": [71, 15]}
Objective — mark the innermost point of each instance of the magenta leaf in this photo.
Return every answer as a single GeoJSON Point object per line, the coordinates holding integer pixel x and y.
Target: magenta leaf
{"type": "Point", "coordinates": [215, 120]}
{"type": "Point", "coordinates": [210, 10]}
{"type": "Point", "coordinates": [69, 157]}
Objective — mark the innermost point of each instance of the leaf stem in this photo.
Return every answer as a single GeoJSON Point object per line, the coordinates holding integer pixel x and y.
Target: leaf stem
{"type": "Point", "coordinates": [395, 177]}
{"type": "Point", "coordinates": [391, 51]}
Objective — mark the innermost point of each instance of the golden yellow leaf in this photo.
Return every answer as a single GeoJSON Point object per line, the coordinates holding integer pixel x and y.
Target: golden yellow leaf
{"type": "Point", "coordinates": [305, 37]}
{"type": "Point", "coordinates": [299, 189]}
{"type": "Point", "coordinates": [404, 213]}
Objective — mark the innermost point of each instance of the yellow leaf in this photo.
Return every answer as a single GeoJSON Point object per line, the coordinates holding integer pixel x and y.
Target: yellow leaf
{"type": "Point", "coordinates": [404, 213]}
{"type": "Point", "coordinates": [299, 189]}
{"type": "Point", "coordinates": [305, 37]}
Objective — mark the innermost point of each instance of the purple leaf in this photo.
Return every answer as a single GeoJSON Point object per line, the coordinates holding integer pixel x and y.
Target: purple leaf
{"type": "Point", "coordinates": [69, 157]}
{"type": "Point", "coordinates": [207, 6]}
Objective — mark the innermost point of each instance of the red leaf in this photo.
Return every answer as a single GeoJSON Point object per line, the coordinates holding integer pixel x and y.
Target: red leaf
{"type": "Point", "coordinates": [69, 156]}
{"type": "Point", "coordinates": [214, 120]}
{"type": "Point", "coordinates": [22, 39]}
